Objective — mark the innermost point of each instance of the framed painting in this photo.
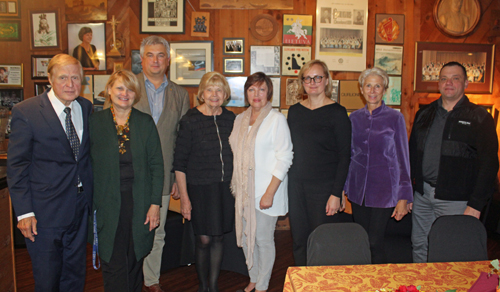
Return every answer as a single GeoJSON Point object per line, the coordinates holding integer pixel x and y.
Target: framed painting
{"type": "Point", "coordinates": [297, 29]}
{"type": "Point", "coordinates": [161, 16]}
{"type": "Point", "coordinates": [200, 24]}
{"type": "Point", "coordinates": [39, 65]}
{"type": "Point", "coordinates": [11, 30]}
{"type": "Point", "coordinates": [10, 8]}
{"type": "Point", "coordinates": [45, 30]}
{"type": "Point", "coordinates": [293, 59]}
{"type": "Point", "coordinates": [292, 91]}
{"type": "Point", "coordinates": [457, 18]}
{"type": "Point", "coordinates": [88, 88]}
{"type": "Point", "coordinates": [136, 61]}
{"type": "Point", "coordinates": [11, 75]}
{"type": "Point", "coordinates": [478, 60]}
{"type": "Point", "coordinates": [265, 59]}
{"type": "Point", "coordinates": [87, 43]}
{"type": "Point", "coordinates": [390, 29]}
{"type": "Point", "coordinates": [190, 61]}
{"type": "Point", "coordinates": [234, 46]}
{"type": "Point", "coordinates": [389, 58]}
{"type": "Point", "coordinates": [393, 93]}
{"type": "Point", "coordinates": [86, 10]}
{"type": "Point", "coordinates": [234, 65]}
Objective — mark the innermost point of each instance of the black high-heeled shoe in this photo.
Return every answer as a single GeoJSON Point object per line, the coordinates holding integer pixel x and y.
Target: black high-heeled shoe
{"type": "Point", "coordinates": [243, 290]}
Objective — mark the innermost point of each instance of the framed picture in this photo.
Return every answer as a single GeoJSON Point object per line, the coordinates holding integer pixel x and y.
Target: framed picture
{"type": "Point", "coordinates": [39, 65]}
{"type": "Point", "coordinates": [284, 112]}
{"type": "Point", "coordinates": [265, 59]}
{"type": "Point", "coordinates": [297, 29]}
{"type": "Point", "coordinates": [100, 88]}
{"type": "Point", "coordinates": [390, 29]}
{"type": "Point", "coordinates": [88, 88]}
{"type": "Point", "coordinates": [335, 91]}
{"type": "Point", "coordinates": [234, 46]}
{"type": "Point", "coordinates": [237, 97]}
{"type": "Point", "coordinates": [136, 61]}
{"type": "Point", "coordinates": [246, 4]}
{"type": "Point", "coordinates": [162, 16]}
{"type": "Point", "coordinates": [11, 30]}
{"type": "Point", "coordinates": [292, 91]}
{"type": "Point", "coordinates": [10, 8]}
{"type": "Point", "coordinates": [349, 95]}
{"type": "Point", "coordinates": [87, 43]}
{"type": "Point", "coordinates": [11, 75]}
{"type": "Point", "coordinates": [393, 93]}
{"type": "Point", "coordinates": [389, 58]}
{"type": "Point", "coordinates": [10, 97]}
{"type": "Point", "coordinates": [457, 18]}
{"type": "Point", "coordinates": [200, 24]}
{"type": "Point", "coordinates": [117, 66]}
{"type": "Point", "coordinates": [86, 10]}
{"type": "Point", "coordinates": [478, 60]}
{"type": "Point", "coordinates": [234, 65]}
{"type": "Point", "coordinates": [190, 61]}
{"type": "Point", "coordinates": [40, 87]}
{"type": "Point", "coordinates": [276, 98]}
{"type": "Point", "coordinates": [294, 58]}
{"type": "Point", "coordinates": [44, 29]}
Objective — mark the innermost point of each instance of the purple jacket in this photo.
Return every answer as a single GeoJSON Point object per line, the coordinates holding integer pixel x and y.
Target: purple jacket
{"type": "Point", "coordinates": [379, 171]}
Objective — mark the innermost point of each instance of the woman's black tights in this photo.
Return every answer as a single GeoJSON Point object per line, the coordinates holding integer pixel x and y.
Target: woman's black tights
{"type": "Point", "coordinates": [208, 261]}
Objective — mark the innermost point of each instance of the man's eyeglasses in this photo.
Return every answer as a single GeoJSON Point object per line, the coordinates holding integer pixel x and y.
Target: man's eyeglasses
{"type": "Point", "coordinates": [317, 79]}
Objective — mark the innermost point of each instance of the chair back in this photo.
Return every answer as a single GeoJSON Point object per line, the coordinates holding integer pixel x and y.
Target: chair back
{"type": "Point", "coordinates": [457, 238]}
{"type": "Point", "coordinates": [334, 244]}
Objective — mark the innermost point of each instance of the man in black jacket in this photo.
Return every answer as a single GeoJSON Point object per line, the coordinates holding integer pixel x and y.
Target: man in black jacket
{"type": "Point", "coordinates": [453, 155]}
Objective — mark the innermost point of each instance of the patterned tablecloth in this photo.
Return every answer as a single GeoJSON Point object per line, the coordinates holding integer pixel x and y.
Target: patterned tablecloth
{"type": "Point", "coordinates": [431, 276]}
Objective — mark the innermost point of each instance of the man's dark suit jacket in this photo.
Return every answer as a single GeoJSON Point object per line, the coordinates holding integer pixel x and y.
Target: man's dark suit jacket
{"type": "Point", "coordinates": [42, 172]}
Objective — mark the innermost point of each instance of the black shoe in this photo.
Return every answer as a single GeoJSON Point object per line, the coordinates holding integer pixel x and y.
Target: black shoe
{"type": "Point", "coordinates": [243, 290]}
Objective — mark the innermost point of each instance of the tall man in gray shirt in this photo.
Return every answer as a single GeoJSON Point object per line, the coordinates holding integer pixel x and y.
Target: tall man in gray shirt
{"type": "Point", "coordinates": [453, 155]}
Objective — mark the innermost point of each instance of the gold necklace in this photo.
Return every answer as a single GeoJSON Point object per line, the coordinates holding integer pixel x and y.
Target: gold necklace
{"type": "Point", "coordinates": [122, 132]}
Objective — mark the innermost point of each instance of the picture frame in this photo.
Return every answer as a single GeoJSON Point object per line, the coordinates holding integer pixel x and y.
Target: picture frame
{"type": "Point", "coordinates": [456, 18]}
{"type": "Point", "coordinates": [45, 30]}
{"type": "Point", "coordinates": [293, 59]}
{"type": "Point", "coordinates": [350, 96]}
{"type": "Point", "coordinates": [392, 95]}
{"type": "Point", "coordinates": [246, 4]}
{"type": "Point", "coordinates": [11, 29]}
{"type": "Point", "coordinates": [234, 66]}
{"type": "Point", "coordinates": [167, 19]}
{"type": "Point", "coordinates": [39, 65]}
{"type": "Point", "coordinates": [96, 60]}
{"type": "Point", "coordinates": [190, 61]}
{"type": "Point", "coordinates": [87, 90]}
{"type": "Point", "coordinates": [40, 87]}
{"type": "Point", "coordinates": [11, 75]}
{"type": "Point", "coordinates": [200, 24]}
{"type": "Point", "coordinates": [234, 46]}
{"type": "Point", "coordinates": [79, 10]}
{"type": "Point", "coordinates": [276, 98]}
{"type": "Point", "coordinates": [292, 91]}
{"type": "Point", "coordinates": [297, 29]}
{"type": "Point", "coordinates": [265, 59]}
{"type": "Point", "coordinates": [335, 90]}
{"type": "Point", "coordinates": [10, 97]}
{"type": "Point", "coordinates": [10, 8]}
{"type": "Point", "coordinates": [390, 29]}
{"type": "Point", "coordinates": [136, 61]}
{"type": "Point", "coordinates": [237, 86]}
{"type": "Point", "coordinates": [430, 56]}
{"type": "Point", "coordinates": [389, 58]}
{"type": "Point", "coordinates": [117, 66]}
{"type": "Point", "coordinates": [99, 88]}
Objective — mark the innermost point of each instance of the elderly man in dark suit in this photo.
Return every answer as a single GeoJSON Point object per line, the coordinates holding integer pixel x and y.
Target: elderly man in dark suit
{"type": "Point", "coordinates": [50, 177]}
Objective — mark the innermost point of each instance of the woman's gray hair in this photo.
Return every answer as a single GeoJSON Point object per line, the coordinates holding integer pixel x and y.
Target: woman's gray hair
{"type": "Point", "coordinates": [374, 71]}
{"type": "Point", "coordinates": [154, 40]}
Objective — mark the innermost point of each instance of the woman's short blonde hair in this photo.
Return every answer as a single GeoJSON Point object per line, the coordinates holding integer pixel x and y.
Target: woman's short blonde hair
{"type": "Point", "coordinates": [213, 79]}
{"type": "Point", "coordinates": [374, 71]}
{"type": "Point", "coordinates": [129, 80]}
{"type": "Point", "coordinates": [326, 73]}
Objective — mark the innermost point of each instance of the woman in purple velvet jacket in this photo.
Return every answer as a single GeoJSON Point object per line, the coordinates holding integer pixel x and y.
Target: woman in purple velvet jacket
{"type": "Point", "coordinates": [378, 184]}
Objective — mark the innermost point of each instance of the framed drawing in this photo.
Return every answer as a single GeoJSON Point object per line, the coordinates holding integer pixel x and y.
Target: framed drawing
{"type": "Point", "coordinates": [237, 85]}
{"type": "Point", "coordinates": [349, 96]}
{"type": "Point", "coordinates": [234, 46]}
{"type": "Point", "coordinates": [389, 58]}
{"type": "Point", "coordinates": [246, 4]}
{"type": "Point", "coordinates": [294, 58]}
{"type": "Point", "coordinates": [162, 16]}
{"type": "Point", "coordinates": [10, 97]}
{"type": "Point", "coordinates": [87, 43]}
{"type": "Point", "coordinates": [136, 61]}
{"type": "Point", "coordinates": [11, 30]}
{"type": "Point", "coordinates": [478, 60]}
{"type": "Point", "coordinates": [190, 61]}
{"type": "Point", "coordinates": [39, 66]}
{"type": "Point", "coordinates": [457, 18]}
{"type": "Point", "coordinates": [40, 87]}
{"type": "Point", "coordinates": [200, 24]}
{"type": "Point", "coordinates": [393, 93]}
{"type": "Point", "coordinates": [276, 98]}
{"type": "Point", "coordinates": [44, 29]}
{"type": "Point", "coordinates": [292, 91]}
{"type": "Point", "coordinates": [335, 91]}
{"type": "Point", "coordinates": [297, 29]}
{"type": "Point", "coordinates": [265, 59]}
{"type": "Point", "coordinates": [234, 65]}
{"type": "Point", "coordinates": [341, 35]}
{"type": "Point", "coordinates": [390, 29]}
{"type": "Point", "coordinates": [11, 75]}
{"type": "Point", "coordinates": [86, 10]}
{"type": "Point", "coordinates": [10, 8]}
{"type": "Point", "coordinates": [100, 88]}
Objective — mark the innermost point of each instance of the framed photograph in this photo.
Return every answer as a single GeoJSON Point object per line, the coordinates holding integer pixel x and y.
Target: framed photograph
{"type": "Point", "coordinates": [162, 16]}
{"type": "Point", "coordinates": [136, 61]}
{"type": "Point", "coordinates": [200, 24]}
{"type": "Point", "coordinates": [10, 97]}
{"type": "Point", "coordinates": [10, 8]}
{"type": "Point", "coordinates": [478, 60]}
{"type": "Point", "coordinates": [276, 99]}
{"type": "Point", "coordinates": [237, 85]}
{"type": "Point", "coordinates": [100, 89]}
{"type": "Point", "coordinates": [190, 61]}
{"type": "Point", "coordinates": [87, 43]}
{"type": "Point", "coordinates": [86, 10]}
{"type": "Point", "coordinates": [341, 34]}
{"type": "Point", "coordinates": [40, 87]}
{"type": "Point", "coordinates": [11, 75]}
{"type": "Point", "coordinates": [335, 91]}
{"type": "Point", "coordinates": [39, 65]}
{"type": "Point", "coordinates": [292, 91]}
{"type": "Point", "coordinates": [265, 59]}
{"type": "Point", "coordinates": [349, 95]}
{"type": "Point", "coordinates": [390, 29]}
{"type": "Point", "coordinates": [11, 30]}
{"type": "Point", "coordinates": [393, 93]}
{"type": "Point", "coordinates": [44, 29]}
{"type": "Point", "coordinates": [88, 88]}
{"type": "Point", "coordinates": [234, 46]}
{"type": "Point", "coordinates": [297, 29]}
{"type": "Point", "coordinates": [457, 18]}
{"type": "Point", "coordinates": [389, 58]}
{"type": "Point", "coordinates": [294, 58]}
{"type": "Point", "coordinates": [234, 65]}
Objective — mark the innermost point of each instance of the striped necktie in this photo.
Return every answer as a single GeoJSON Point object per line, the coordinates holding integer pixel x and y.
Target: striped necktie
{"type": "Point", "coordinates": [71, 133]}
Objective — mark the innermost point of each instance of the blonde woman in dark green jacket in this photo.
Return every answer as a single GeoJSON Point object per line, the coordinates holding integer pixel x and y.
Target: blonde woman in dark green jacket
{"type": "Point", "coordinates": [128, 181]}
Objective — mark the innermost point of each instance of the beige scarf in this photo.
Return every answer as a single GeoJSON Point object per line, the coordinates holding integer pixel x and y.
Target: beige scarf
{"type": "Point", "coordinates": [243, 183]}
